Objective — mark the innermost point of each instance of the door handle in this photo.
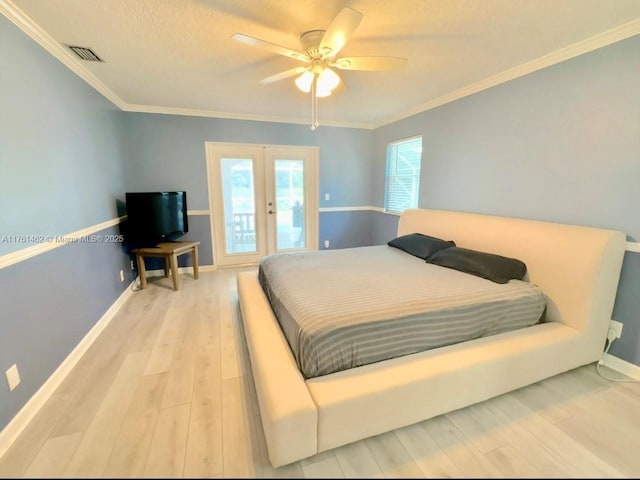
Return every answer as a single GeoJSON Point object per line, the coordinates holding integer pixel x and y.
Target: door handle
{"type": "Point", "coordinates": [272, 212]}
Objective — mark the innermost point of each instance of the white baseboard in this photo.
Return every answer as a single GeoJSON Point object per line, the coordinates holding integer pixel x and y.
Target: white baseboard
{"type": "Point", "coordinates": [621, 366]}
{"type": "Point", "coordinates": [15, 427]}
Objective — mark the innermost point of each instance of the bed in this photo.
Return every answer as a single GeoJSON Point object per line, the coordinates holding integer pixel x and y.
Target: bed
{"type": "Point", "coordinates": [576, 268]}
{"type": "Point", "coordinates": [340, 309]}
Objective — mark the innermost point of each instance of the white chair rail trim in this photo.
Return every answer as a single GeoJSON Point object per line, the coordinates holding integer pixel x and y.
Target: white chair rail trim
{"type": "Point", "coordinates": [40, 248]}
{"type": "Point", "coordinates": [50, 242]}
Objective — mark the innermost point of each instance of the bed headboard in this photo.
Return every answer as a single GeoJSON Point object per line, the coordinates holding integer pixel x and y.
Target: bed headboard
{"type": "Point", "coordinates": [577, 267]}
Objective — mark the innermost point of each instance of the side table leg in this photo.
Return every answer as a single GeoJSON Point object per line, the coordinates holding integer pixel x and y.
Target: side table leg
{"type": "Point", "coordinates": [174, 272]}
{"type": "Point", "coordinates": [142, 271]}
{"type": "Point", "coordinates": [195, 262]}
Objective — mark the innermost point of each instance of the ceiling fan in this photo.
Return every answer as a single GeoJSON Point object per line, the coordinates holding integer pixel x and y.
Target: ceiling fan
{"type": "Point", "coordinates": [319, 50]}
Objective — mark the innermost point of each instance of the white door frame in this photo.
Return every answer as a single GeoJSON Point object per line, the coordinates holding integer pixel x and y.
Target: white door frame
{"type": "Point", "coordinates": [263, 157]}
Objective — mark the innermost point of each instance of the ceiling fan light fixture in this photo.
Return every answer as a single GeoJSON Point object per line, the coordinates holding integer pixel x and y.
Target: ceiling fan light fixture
{"type": "Point", "coordinates": [324, 84]}
{"type": "Point", "coordinates": [303, 82]}
{"type": "Point", "coordinates": [320, 93]}
{"type": "Point", "coordinates": [328, 79]}
{"type": "Point", "coordinates": [320, 48]}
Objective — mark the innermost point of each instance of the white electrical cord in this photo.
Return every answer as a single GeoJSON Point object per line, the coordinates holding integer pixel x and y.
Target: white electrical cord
{"type": "Point", "coordinates": [135, 286]}
{"type": "Point", "coordinates": [610, 338]}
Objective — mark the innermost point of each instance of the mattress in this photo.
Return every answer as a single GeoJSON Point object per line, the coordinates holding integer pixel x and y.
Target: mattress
{"type": "Point", "coordinates": [340, 309]}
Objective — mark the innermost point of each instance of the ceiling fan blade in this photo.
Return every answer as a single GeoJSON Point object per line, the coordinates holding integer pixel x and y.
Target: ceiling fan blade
{"type": "Point", "coordinates": [369, 63]}
{"type": "Point", "coordinates": [339, 31]}
{"type": "Point", "coordinates": [282, 75]}
{"type": "Point", "coordinates": [272, 47]}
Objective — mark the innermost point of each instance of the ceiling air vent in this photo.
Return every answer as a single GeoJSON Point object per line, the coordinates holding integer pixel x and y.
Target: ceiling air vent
{"type": "Point", "coordinates": [86, 54]}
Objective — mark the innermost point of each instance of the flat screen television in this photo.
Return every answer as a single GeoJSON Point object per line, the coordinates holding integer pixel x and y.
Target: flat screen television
{"type": "Point", "coordinates": [154, 217]}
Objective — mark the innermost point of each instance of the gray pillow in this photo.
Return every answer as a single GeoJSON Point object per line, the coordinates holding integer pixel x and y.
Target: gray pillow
{"type": "Point", "coordinates": [493, 267]}
{"type": "Point", "coordinates": [419, 245]}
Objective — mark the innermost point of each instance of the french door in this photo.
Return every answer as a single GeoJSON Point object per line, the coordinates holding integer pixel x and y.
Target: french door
{"type": "Point", "coordinates": [263, 199]}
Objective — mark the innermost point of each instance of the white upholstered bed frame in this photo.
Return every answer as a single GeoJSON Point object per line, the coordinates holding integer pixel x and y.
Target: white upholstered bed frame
{"type": "Point", "coordinates": [576, 267]}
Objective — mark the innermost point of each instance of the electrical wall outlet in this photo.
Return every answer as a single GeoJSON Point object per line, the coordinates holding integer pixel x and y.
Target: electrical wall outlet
{"type": "Point", "coordinates": [326, 244]}
{"type": "Point", "coordinates": [132, 265]}
{"type": "Point", "coordinates": [13, 377]}
{"type": "Point", "coordinates": [616, 328]}
{"type": "Point", "coordinates": [122, 275]}
{"type": "Point", "coordinates": [327, 197]}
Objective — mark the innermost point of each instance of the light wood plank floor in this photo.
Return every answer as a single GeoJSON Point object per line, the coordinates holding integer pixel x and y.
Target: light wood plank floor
{"type": "Point", "coordinates": [166, 391]}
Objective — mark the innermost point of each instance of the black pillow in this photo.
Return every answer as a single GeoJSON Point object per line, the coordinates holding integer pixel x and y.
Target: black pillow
{"type": "Point", "coordinates": [493, 267]}
{"type": "Point", "coordinates": [419, 245]}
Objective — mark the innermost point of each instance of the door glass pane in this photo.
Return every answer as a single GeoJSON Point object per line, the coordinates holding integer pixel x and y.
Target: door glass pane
{"type": "Point", "coordinates": [239, 205]}
{"type": "Point", "coordinates": [289, 183]}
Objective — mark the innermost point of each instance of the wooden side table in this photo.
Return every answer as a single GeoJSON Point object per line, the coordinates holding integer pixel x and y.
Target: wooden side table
{"type": "Point", "coordinates": [169, 251]}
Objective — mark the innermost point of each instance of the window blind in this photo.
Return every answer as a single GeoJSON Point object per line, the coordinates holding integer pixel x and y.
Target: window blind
{"type": "Point", "coordinates": [402, 180]}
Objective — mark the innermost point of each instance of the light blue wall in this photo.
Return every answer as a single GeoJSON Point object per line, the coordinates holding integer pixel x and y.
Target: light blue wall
{"type": "Point", "coordinates": [561, 144]}
{"type": "Point", "coordinates": [47, 305]}
{"type": "Point", "coordinates": [59, 141]}
{"type": "Point", "coordinates": [168, 152]}
{"type": "Point", "coordinates": [627, 310]}
{"type": "Point", "coordinates": [61, 170]}
{"type": "Point", "coordinates": [346, 229]}
{"type": "Point", "coordinates": [383, 228]}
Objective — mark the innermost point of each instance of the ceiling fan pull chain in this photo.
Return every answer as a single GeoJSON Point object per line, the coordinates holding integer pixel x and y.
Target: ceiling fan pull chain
{"type": "Point", "coordinates": [314, 103]}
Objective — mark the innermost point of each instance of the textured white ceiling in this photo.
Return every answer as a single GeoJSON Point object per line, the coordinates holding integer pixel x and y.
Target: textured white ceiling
{"type": "Point", "coordinates": [179, 53]}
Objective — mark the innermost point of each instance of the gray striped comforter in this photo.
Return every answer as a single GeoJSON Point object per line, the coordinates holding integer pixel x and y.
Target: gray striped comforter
{"type": "Point", "coordinates": [340, 309]}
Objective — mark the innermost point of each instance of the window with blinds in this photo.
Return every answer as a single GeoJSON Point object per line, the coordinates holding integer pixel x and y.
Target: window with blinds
{"type": "Point", "coordinates": [402, 182]}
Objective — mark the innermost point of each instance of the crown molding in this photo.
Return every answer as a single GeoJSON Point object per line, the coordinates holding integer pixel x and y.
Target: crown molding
{"type": "Point", "coordinates": [31, 28]}
{"type": "Point", "coordinates": [603, 39]}
{"type": "Point", "coordinates": [27, 25]}
{"type": "Point", "coordinates": [191, 112]}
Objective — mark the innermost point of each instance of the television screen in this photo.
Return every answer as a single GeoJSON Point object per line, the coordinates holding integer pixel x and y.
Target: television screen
{"type": "Point", "coordinates": [154, 217]}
